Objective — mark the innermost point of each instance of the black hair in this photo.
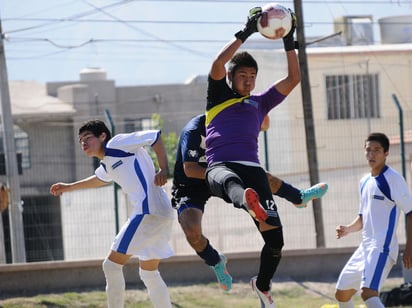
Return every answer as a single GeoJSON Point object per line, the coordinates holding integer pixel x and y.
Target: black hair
{"type": "Point", "coordinates": [96, 127]}
{"type": "Point", "coordinates": [380, 138]}
{"type": "Point", "coordinates": [241, 59]}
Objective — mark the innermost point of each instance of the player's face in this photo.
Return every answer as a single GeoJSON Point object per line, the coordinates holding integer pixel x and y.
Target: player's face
{"type": "Point", "coordinates": [90, 144]}
{"type": "Point", "coordinates": [376, 156]}
{"type": "Point", "coordinates": [243, 81]}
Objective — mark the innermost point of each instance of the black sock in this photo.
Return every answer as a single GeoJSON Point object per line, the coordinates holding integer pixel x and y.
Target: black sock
{"type": "Point", "coordinates": [290, 193]}
{"type": "Point", "coordinates": [210, 255]}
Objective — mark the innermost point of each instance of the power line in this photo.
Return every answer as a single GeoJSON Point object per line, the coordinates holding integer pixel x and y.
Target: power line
{"type": "Point", "coordinates": [192, 51]}
{"type": "Point", "coordinates": [156, 21]}
{"type": "Point", "coordinates": [398, 2]}
{"type": "Point", "coordinates": [73, 17]}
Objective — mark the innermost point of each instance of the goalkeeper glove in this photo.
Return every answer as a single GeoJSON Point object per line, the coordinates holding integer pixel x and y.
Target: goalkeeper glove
{"type": "Point", "coordinates": [288, 40]}
{"type": "Point", "coordinates": [251, 24]}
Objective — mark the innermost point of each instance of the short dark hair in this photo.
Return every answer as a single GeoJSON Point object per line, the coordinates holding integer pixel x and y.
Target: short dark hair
{"type": "Point", "coordinates": [380, 138]}
{"type": "Point", "coordinates": [96, 127]}
{"type": "Point", "coordinates": [241, 59]}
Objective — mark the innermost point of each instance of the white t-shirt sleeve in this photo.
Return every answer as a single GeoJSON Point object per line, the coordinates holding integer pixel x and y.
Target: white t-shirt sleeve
{"type": "Point", "coordinates": [133, 141]}
{"type": "Point", "coordinates": [401, 194]}
{"type": "Point", "coordinates": [101, 173]}
{"type": "Point", "coordinates": [362, 182]}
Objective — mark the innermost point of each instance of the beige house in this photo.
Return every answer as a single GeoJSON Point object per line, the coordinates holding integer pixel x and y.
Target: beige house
{"type": "Point", "coordinates": [352, 90]}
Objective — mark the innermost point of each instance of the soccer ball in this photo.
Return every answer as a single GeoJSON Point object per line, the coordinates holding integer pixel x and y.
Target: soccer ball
{"type": "Point", "coordinates": [275, 22]}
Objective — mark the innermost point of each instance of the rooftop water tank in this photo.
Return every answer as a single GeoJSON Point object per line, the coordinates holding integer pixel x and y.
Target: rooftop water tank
{"type": "Point", "coordinates": [396, 29]}
{"type": "Point", "coordinates": [92, 74]}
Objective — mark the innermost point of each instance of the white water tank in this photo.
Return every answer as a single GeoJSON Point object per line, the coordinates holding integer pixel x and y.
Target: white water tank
{"type": "Point", "coordinates": [396, 29]}
{"type": "Point", "coordinates": [92, 74]}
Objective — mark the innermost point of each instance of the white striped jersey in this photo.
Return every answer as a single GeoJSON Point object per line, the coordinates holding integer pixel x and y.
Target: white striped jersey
{"type": "Point", "coordinates": [128, 164]}
{"type": "Point", "coordinates": [381, 200]}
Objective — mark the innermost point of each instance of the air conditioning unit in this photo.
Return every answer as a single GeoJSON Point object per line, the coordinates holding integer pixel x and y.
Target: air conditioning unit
{"type": "Point", "coordinates": [356, 30]}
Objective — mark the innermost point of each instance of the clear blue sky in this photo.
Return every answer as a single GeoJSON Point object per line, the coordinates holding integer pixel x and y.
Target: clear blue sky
{"type": "Point", "coordinates": [144, 42]}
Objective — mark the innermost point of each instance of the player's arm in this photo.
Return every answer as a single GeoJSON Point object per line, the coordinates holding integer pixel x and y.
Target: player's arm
{"type": "Point", "coordinates": [90, 182]}
{"type": "Point", "coordinates": [160, 151]}
{"type": "Point", "coordinates": [287, 84]}
{"type": "Point", "coordinates": [354, 226]}
{"type": "Point", "coordinates": [218, 69]}
{"type": "Point", "coordinates": [407, 254]}
{"type": "Point", "coordinates": [194, 170]}
{"type": "Point", "coordinates": [402, 198]}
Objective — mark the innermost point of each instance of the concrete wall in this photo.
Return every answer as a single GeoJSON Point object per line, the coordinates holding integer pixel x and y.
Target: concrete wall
{"type": "Point", "coordinates": [46, 277]}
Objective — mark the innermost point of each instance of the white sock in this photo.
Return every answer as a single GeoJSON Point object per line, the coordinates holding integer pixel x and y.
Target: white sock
{"type": "Point", "coordinates": [115, 284]}
{"type": "Point", "coordinates": [374, 302]}
{"type": "Point", "coordinates": [156, 287]}
{"type": "Point", "coordinates": [348, 304]}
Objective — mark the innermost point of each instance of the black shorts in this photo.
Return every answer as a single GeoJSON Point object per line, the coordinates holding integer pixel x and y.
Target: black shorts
{"type": "Point", "coordinates": [190, 196]}
{"type": "Point", "coordinates": [250, 176]}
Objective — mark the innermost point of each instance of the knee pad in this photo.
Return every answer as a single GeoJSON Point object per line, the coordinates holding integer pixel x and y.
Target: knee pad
{"type": "Point", "coordinates": [218, 177]}
{"type": "Point", "coordinates": [274, 240]}
{"type": "Point", "coordinates": [270, 256]}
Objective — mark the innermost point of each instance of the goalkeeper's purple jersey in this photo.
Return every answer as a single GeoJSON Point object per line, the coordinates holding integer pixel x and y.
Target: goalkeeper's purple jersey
{"type": "Point", "coordinates": [233, 122]}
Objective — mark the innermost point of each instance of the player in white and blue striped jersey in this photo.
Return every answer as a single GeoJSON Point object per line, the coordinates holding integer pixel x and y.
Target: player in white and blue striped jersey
{"type": "Point", "coordinates": [146, 234]}
{"type": "Point", "coordinates": [383, 195]}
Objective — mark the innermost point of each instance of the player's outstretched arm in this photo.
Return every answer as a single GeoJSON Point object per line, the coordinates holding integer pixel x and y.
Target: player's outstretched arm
{"type": "Point", "coordinates": [287, 84]}
{"type": "Point", "coordinates": [93, 181]}
{"type": "Point", "coordinates": [288, 40]}
{"type": "Point", "coordinates": [160, 151]}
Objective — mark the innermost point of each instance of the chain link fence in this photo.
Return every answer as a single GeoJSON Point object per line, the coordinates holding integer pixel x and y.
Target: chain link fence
{"type": "Point", "coordinates": [82, 224]}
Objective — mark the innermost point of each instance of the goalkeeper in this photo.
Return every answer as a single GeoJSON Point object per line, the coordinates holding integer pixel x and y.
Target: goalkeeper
{"type": "Point", "coordinates": [233, 121]}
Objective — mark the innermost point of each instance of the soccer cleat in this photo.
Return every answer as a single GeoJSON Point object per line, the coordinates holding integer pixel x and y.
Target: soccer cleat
{"type": "Point", "coordinates": [266, 300]}
{"type": "Point", "coordinates": [255, 209]}
{"type": "Point", "coordinates": [315, 192]}
{"type": "Point", "coordinates": [223, 276]}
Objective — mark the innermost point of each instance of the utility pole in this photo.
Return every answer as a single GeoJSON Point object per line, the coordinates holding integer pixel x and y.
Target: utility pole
{"type": "Point", "coordinates": [15, 209]}
{"type": "Point", "coordinates": [309, 123]}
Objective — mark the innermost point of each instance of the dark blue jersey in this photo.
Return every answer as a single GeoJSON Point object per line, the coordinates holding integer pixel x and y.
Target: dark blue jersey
{"type": "Point", "coordinates": [191, 148]}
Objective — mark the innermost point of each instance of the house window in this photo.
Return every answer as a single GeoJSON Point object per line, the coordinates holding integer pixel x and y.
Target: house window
{"type": "Point", "coordinates": [132, 125]}
{"type": "Point", "coordinates": [22, 146]}
{"type": "Point", "coordinates": [352, 96]}
{"type": "Point", "coordinates": [21, 141]}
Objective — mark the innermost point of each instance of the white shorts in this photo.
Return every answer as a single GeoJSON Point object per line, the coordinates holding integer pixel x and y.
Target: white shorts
{"type": "Point", "coordinates": [365, 269]}
{"type": "Point", "coordinates": [145, 236]}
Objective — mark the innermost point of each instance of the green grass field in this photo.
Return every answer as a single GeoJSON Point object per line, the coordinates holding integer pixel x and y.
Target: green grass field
{"type": "Point", "coordinates": [287, 294]}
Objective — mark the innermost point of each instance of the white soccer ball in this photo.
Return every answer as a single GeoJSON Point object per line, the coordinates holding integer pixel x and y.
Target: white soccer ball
{"type": "Point", "coordinates": [275, 22]}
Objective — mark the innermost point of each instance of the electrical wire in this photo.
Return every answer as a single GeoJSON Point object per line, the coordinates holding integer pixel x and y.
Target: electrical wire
{"type": "Point", "coordinates": [151, 42]}
{"type": "Point", "coordinates": [146, 33]}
